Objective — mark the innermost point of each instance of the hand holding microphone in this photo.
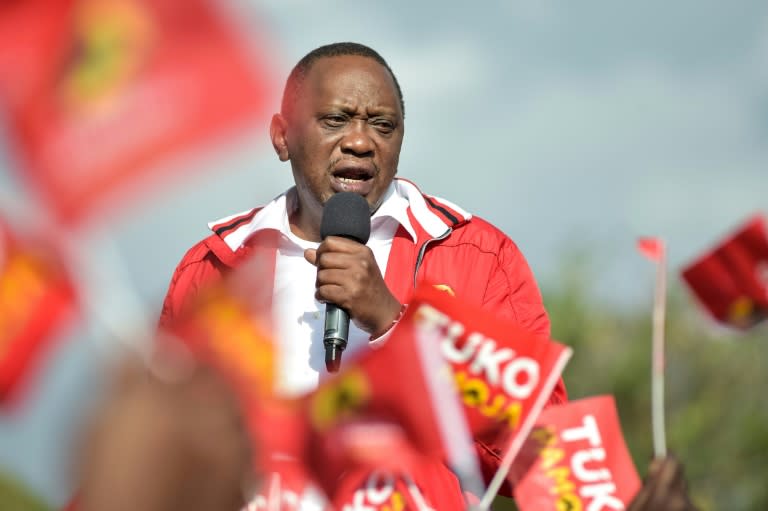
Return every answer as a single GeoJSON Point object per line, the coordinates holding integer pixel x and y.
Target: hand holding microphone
{"type": "Point", "coordinates": [348, 278]}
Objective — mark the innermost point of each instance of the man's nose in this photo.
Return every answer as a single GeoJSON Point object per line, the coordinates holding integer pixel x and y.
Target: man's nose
{"type": "Point", "coordinates": [357, 140]}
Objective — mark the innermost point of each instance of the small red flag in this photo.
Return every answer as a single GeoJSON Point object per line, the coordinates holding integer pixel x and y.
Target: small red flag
{"type": "Point", "coordinates": [504, 374]}
{"type": "Point", "coordinates": [652, 248]}
{"type": "Point", "coordinates": [363, 418]}
{"type": "Point", "coordinates": [583, 461]}
{"type": "Point", "coordinates": [36, 299]}
{"type": "Point", "coordinates": [100, 92]}
{"type": "Point", "coordinates": [731, 280]}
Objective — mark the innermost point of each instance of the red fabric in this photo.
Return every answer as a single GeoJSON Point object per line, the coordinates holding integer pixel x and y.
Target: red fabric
{"type": "Point", "coordinates": [223, 327]}
{"type": "Point", "coordinates": [652, 248]}
{"type": "Point", "coordinates": [731, 280]}
{"type": "Point", "coordinates": [363, 418]}
{"type": "Point", "coordinates": [36, 299]}
{"type": "Point", "coordinates": [582, 461]}
{"type": "Point", "coordinates": [477, 263]}
{"type": "Point", "coordinates": [285, 487]}
{"type": "Point", "coordinates": [431, 487]}
{"type": "Point", "coordinates": [504, 374]}
{"type": "Point", "coordinates": [100, 92]}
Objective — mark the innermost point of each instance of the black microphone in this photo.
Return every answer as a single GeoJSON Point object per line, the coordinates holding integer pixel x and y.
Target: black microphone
{"type": "Point", "coordinates": [348, 215]}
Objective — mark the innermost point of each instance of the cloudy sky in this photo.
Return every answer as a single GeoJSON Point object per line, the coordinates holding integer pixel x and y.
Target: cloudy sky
{"type": "Point", "coordinates": [567, 124]}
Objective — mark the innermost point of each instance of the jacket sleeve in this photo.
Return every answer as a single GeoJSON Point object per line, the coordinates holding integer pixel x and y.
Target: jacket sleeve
{"type": "Point", "coordinates": [513, 293]}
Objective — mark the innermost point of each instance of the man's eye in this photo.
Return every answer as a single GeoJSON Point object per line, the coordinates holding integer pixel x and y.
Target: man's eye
{"type": "Point", "coordinates": [384, 126]}
{"type": "Point", "coordinates": [334, 120]}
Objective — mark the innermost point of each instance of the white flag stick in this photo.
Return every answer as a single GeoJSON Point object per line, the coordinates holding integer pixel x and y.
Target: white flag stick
{"type": "Point", "coordinates": [657, 358]}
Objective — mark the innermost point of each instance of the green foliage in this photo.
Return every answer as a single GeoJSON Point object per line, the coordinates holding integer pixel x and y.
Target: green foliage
{"type": "Point", "coordinates": [14, 497]}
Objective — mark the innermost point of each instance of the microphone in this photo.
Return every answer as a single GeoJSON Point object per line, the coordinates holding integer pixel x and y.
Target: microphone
{"type": "Point", "coordinates": [348, 215]}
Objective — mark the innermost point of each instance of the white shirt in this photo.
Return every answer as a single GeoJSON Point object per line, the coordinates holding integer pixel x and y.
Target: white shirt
{"type": "Point", "coordinates": [299, 319]}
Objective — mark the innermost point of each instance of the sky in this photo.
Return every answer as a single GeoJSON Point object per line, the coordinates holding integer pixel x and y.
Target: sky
{"type": "Point", "coordinates": [569, 125]}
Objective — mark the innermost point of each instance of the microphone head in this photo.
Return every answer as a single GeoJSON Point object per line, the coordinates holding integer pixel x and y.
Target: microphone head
{"type": "Point", "coordinates": [346, 214]}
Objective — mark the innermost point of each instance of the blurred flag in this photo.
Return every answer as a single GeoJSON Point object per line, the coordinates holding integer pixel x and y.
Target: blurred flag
{"type": "Point", "coordinates": [99, 92]}
{"type": "Point", "coordinates": [391, 409]}
{"type": "Point", "coordinates": [429, 487]}
{"type": "Point", "coordinates": [36, 299]}
{"type": "Point", "coordinates": [652, 248]}
{"type": "Point", "coordinates": [286, 486]}
{"type": "Point", "coordinates": [731, 280]}
{"type": "Point", "coordinates": [582, 462]}
{"type": "Point", "coordinates": [224, 328]}
{"type": "Point", "coordinates": [25, 54]}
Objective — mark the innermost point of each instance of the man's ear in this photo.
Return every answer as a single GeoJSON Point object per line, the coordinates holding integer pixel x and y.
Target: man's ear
{"type": "Point", "coordinates": [277, 132]}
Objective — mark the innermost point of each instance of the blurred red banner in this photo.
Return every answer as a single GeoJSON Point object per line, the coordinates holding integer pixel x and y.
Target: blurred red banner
{"type": "Point", "coordinates": [36, 299]}
{"type": "Point", "coordinates": [384, 411]}
{"type": "Point", "coordinates": [582, 461]}
{"type": "Point", "coordinates": [225, 328]}
{"type": "Point", "coordinates": [99, 92]}
{"type": "Point", "coordinates": [731, 280]}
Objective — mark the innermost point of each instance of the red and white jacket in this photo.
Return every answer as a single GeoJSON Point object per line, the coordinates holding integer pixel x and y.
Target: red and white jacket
{"type": "Point", "coordinates": [454, 250]}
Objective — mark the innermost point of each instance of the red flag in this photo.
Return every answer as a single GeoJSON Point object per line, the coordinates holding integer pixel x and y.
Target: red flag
{"type": "Point", "coordinates": [391, 409]}
{"type": "Point", "coordinates": [652, 248]}
{"type": "Point", "coordinates": [100, 92]}
{"type": "Point", "coordinates": [731, 280]}
{"type": "Point", "coordinates": [503, 373]}
{"type": "Point", "coordinates": [36, 299]}
{"type": "Point", "coordinates": [582, 463]}
{"type": "Point", "coordinates": [504, 376]}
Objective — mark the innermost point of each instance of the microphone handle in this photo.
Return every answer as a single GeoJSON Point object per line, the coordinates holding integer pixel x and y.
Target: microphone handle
{"type": "Point", "coordinates": [335, 335]}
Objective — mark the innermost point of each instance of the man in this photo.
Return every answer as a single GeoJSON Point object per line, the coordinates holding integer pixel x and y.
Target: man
{"type": "Point", "coordinates": [341, 127]}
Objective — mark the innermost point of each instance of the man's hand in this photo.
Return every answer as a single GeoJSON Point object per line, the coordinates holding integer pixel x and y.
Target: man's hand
{"type": "Point", "coordinates": [664, 488]}
{"type": "Point", "coordinates": [348, 276]}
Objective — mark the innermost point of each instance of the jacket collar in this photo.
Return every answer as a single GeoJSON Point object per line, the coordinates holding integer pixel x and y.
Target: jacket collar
{"type": "Point", "coordinates": [403, 201]}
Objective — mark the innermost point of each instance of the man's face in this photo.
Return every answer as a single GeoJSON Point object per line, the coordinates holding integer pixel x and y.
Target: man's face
{"type": "Point", "coordinates": [344, 133]}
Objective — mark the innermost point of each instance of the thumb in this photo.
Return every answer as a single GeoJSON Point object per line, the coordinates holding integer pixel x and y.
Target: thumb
{"type": "Point", "coordinates": [310, 255]}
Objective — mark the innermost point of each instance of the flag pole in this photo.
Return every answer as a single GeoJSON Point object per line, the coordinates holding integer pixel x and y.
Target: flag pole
{"type": "Point", "coordinates": [657, 362]}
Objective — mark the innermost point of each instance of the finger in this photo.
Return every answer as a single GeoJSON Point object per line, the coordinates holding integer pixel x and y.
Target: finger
{"type": "Point", "coordinates": [336, 260]}
{"type": "Point", "coordinates": [331, 293]}
{"type": "Point", "coordinates": [310, 255]}
{"type": "Point", "coordinates": [339, 244]}
{"type": "Point", "coordinates": [349, 278]}
{"type": "Point", "coordinates": [670, 474]}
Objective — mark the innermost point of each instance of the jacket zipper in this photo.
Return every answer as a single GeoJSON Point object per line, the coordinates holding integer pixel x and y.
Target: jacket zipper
{"type": "Point", "coordinates": [423, 250]}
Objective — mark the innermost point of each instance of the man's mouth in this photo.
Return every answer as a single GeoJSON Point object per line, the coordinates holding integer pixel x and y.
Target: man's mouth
{"type": "Point", "coordinates": [353, 175]}
{"type": "Point", "coordinates": [351, 178]}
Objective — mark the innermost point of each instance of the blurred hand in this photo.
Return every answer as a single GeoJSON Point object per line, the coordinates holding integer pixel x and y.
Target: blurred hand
{"type": "Point", "coordinates": [348, 276]}
{"type": "Point", "coordinates": [664, 488]}
{"type": "Point", "coordinates": [164, 440]}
